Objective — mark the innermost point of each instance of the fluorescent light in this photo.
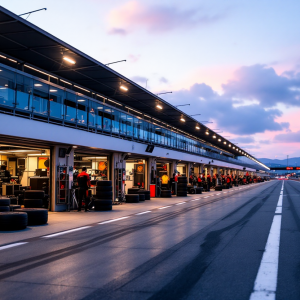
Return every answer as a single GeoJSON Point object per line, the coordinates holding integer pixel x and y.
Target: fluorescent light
{"type": "Point", "coordinates": [197, 127]}
{"type": "Point", "coordinates": [81, 100]}
{"type": "Point", "coordinates": [229, 145]}
{"type": "Point", "coordinates": [182, 119]}
{"type": "Point", "coordinates": [53, 91]}
{"type": "Point", "coordinates": [159, 106]}
{"type": "Point", "coordinates": [225, 143]}
{"type": "Point", "coordinates": [214, 136]}
{"type": "Point", "coordinates": [122, 87]}
{"type": "Point", "coordinates": [219, 140]}
{"type": "Point", "coordinates": [207, 132]}
{"type": "Point", "coordinates": [38, 84]}
{"type": "Point", "coordinates": [100, 107]}
{"type": "Point", "coordinates": [71, 61]}
{"type": "Point", "coordinates": [232, 147]}
{"type": "Point", "coordinates": [3, 88]}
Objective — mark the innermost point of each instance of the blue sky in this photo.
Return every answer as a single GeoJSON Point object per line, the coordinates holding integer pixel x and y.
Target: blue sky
{"type": "Point", "coordinates": [236, 62]}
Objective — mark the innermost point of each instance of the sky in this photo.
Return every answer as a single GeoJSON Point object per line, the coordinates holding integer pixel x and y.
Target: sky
{"type": "Point", "coordinates": [237, 63]}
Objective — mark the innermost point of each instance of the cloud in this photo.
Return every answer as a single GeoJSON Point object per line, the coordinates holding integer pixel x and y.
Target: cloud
{"type": "Point", "coordinates": [241, 120]}
{"type": "Point", "coordinates": [134, 58]}
{"type": "Point", "coordinates": [157, 18]}
{"type": "Point", "coordinates": [245, 140]}
{"type": "Point", "coordinates": [265, 142]}
{"type": "Point", "coordinates": [261, 84]}
{"type": "Point", "coordinates": [289, 137]}
{"type": "Point", "coordinates": [139, 79]}
{"type": "Point", "coordinates": [163, 80]}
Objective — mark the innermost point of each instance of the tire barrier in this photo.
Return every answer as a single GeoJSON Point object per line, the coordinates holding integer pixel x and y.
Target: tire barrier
{"type": "Point", "coordinates": [166, 194]}
{"type": "Point", "coordinates": [103, 205]}
{"type": "Point", "coordinates": [14, 206]}
{"type": "Point", "coordinates": [13, 220]}
{"type": "Point", "coordinates": [36, 216]}
{"type": "Point", "coordinates": [33, 203]}
{"type": "Point", "coordinates": [104, 195]}
{"type": "Point", "coordinates": [132, 198]}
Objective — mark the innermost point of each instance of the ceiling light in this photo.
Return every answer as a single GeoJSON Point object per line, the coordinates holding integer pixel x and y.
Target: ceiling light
{"type": "Point", "coordinates": [6, 84]}
{"type": "Point", "coordinates": [182, 119]}
{"type": "Point", "coordinates": [225, 143]}
{"type": "Point", "coordinates": [219, 140]}
{"type": "Point", "coordinates": [71, 61]}
{"type": "Point", "coordinates": [232, 147]}
{"type": "Point", "coordinates": [207, 132]}
{"type": "Point", "coordinates": [159, 106]}
{"type": "Point", "coordinates": [197, 127]}
{"type": "Point", "coordinates": [81, 100]}
{"type": "Point", "coordinates": [122, 87]}
{"type": "Point", "coordinates": [229, 145]}
{"type": "Point", "coordinates": [100, 107]}
{"type": "Point", "coordinates": [3, 88]}
{"type": "Point", "coordinates": [38, 84]}
{"type": "Point", "coordinates": [214, 137]}
{"type": "Point", "coordinates": [53, 91]}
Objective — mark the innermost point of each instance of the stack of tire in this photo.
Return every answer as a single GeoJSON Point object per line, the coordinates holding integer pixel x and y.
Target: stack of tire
{"type": "Point", "coordinates": [13, 220]}
{"type": "Point", "coordinates": [104, 195]}
{"type": "Point", "coordinates": [146, 193]}
{"type": "Point", "coordinates": [218, 188]}
{"type": "Point", "coordinates": [132, 198]}
{"type": "Point", "coordinates": [34, 198]}
{"type": "Point", "coordinates": [166, 194]}
{"type": "Point", "coordinates": [182, 186]}
{"type": "Point", "coordinates": [4, 204]}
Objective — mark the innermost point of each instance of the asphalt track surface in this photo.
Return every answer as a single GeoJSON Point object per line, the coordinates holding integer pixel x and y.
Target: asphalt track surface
{"type": "Point", "coordinates": [208, 248]}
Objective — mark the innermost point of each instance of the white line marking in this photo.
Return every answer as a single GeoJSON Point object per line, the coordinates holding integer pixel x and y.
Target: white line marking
{"type": "Point", "coordinates": [218, 194]}
{"type": "Point", "coordinates": [280, 201]}
{"type": "Point", "coordinates": [224, 192]}
{"type": "Point", "coordinates": [278, 210]}
{"type": "Point", "coordinates": [144, 212]}
{"type": "Point", "coordinates": [114, 220]}
{"type": "Point", "coordinates": [206, 197]}
{"type": "Point", "coordinates": [164, 207]}
{"type": "Point", "coordinates": [180, 203]}
{"type": "Point", "coordinates": [65, 232]}
{"type": "Point", "coordinates": [265, 284]}
{"type": "Point", "coordinates": [12, 245]}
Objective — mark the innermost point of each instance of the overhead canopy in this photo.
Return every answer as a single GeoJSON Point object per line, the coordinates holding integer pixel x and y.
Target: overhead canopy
{"type": "Point", "coordinates": [29, 44]}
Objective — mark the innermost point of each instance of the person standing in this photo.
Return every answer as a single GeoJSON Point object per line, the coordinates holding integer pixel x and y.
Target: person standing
{"type": "Point", "coordinates": [84, 183]}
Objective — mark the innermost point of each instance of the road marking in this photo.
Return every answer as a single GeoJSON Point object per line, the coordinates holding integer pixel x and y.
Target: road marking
{"type": "Point", "coordinates": [12, 245]}
{"type": "Point", "coordinates": [144, 212]}
{"type": "Point", "coordinates": [224, 192]}
{"type": "Point", "coordinates": [180, 203]}
{"type": "Point", "coordinates": [164, 207]}
{"type": "Point", "coordinates": [218, 194]}
{"type": "Point", "coordinates": [113, 220]}
{"type": "Point", "coordinates": [265, 284]}
{"type": "Point", "coordinates": [65, 232]}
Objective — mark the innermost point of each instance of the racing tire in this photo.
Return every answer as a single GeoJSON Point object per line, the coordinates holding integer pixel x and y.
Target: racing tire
{"type": "Point", "coordinates": [4, 202]}
{"type": "Point", "coordinates": [4, 208]}
{"type": "Point", "coordinates": [104, 183]}
{"type": "Point", "coordinates": [34, 194]}
{"type": "Point", "coordinates": [36, 216]}
{"type": "Point", "coordinates": [33, 203]}
{"type": "Point", "coordinates": [141, 197]}
{"type": "Point", "coordinates": [132, 191]}
{"type": "Point", "coordinates": [132, 198]}
{"type": "Point", "coordinates": [103, 188]}
{"type": "Point", "coordinates": [14, 206]}
{"type": "Point", "coordinates": [13, 220]}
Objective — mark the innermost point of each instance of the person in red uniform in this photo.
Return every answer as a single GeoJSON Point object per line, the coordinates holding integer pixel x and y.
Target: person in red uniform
{"type": "Point", "coordinates": [228, 180]}
{"type": "Point", "coordinates": [84, 183]}
{"type": "Point", "coordinates": [208, 181]}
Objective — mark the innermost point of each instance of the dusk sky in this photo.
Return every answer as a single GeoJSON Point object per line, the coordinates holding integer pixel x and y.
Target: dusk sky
{"type": "Point", "coordinates": [236, 62]}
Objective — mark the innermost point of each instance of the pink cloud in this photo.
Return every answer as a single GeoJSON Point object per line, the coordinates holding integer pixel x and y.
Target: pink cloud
{"type": "Point", "coordinates": [134, 58]}
{"type": "Point", "coordinates": [156, 18]}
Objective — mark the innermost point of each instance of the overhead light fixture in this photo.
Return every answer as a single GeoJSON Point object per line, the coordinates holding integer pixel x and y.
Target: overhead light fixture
{"type": "Point", "coordinates": [207, 132]}
{"type": "Point", "coordinates": [100, 107]}
{"type": "Point", "coordinates": [124, 88]}
{"type": "Point", "coordinates": [38, 84]}
{"type": "Point", "coordinates": [182, 119]}
{"type": "Point", "coordinates": [197, 127]}
{"type": "Point", "coordinates": [225, 143]}
{"type": "Point", "coordinates": [233, 147]}
{"type": "Point", "coordinates": [159, 106]}
{"type": "Point", "coordinates": [53, 91]}
{"type": "Point", "coordinates": [219, 140]}
{"type": "Point", "coordinates": [229, 145]}
{"type": "Point", "coordinates": [214, 137]}
{"type": "Point", "coordinates": [71, 61]}
{"type": "Point", "coordinates": [81, 100]}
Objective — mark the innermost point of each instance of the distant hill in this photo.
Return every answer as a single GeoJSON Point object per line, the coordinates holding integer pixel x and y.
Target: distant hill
{"type": "Point", "coordinates": [293, 162]}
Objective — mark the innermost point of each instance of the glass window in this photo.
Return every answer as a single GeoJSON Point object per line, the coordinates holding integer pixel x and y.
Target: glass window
{"type": "Point", "coordinates": [70, 107]}
{"type": "Point", "coordinates": [56, 102]}
{"type": "Point", "coordinates": [24, 87]}
{"type": "Point", "coordinates": [99, 115]}
{"type": "Point", "coordinates": [115, 121]}
{"type": "Point", "coordinates": [129, 125]}
{"type": "Point", "coordinates": [82, 105]}
{"type": "Point", "coordinates": [40, 98]}
{"type": "Point", "coordinates": [146, 136]}
{"type": "Point", "coordinates": [7, 91]}
{"type": "Point", "coordinates": [92, 114]}
{"type": "Point", "coordinates": [137, 128]}
{"type": "Point", "coordinates": [106, 119]}
{"type": "Point", "coordinates": [123, 124]}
